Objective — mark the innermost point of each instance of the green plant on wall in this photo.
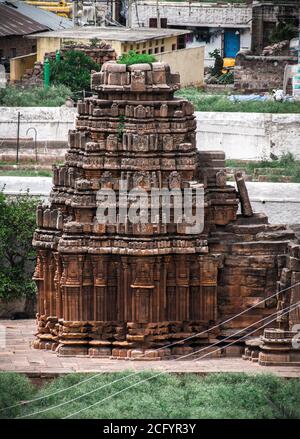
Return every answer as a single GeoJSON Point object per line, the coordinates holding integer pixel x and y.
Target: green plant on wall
{"type": "Point", "coordinates": [121, 127]}
{"type": "Point", "coordinates": [135, 58]}
{"type": "Point", "coordinates": [94, 42]}
{"type": "Point", "coordinates": [74, 70]}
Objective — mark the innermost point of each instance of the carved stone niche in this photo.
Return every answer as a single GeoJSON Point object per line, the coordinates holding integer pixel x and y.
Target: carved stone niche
{"type": "Point", "coordinates": [111, 142]}
{"type": "Point", "coordinates": [139, 112]}
{"type": "Point", "coordinates": [138, 81]}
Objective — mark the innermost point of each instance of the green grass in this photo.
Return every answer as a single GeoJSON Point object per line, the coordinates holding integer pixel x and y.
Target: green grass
{"type": "Point", "coordinates": [53, 96]}
{"type": "Point", "coordinates": [184, 396]}
{"type": "Point", "coordinates": [25, 173]}
{"type": "Point", "coordinates": [286, 165]}
{"type": "Point", "coordinates": [222, 103]}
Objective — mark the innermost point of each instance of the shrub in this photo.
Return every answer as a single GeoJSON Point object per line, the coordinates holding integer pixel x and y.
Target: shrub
{"type": "Point", "coordinates": [218, 65]}
{"type": "Point", "coordinates": [226, 78]}
{"type": "Point", "coordinates": [135, 58]}
{"type": "Point", "coordinates": [17, 224]}
{"type": "Point", "coordinates": [284, 31]}
{"type": "Point", "coordinates": [171, 396]}
{"type": "Point", "coordinates": [74, 70]}
{"type": "Point", "coordinates": [13, 389]}
{"type": "Point", "coordinates": [53, 96]}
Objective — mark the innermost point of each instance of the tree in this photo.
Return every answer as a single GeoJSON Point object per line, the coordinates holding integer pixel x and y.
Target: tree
{"type": "Point", "coordinates": [17, 256]}
{"type": "Point", "coordinates": [73, 70]}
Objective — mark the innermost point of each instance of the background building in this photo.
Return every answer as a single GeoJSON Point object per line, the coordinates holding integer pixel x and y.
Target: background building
{"type": "Point", "coordinates": [166, 44]}
{"type": "Point", "coordinates": [226, 27]}
{"type": "Point", "coordinates": [17, 20]}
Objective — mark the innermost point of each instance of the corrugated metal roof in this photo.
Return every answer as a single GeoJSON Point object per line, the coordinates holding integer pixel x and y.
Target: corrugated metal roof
{"type": "Point", "coordinates": [49, 20]}
{"type": "Point", "coordinates": [14, 23]}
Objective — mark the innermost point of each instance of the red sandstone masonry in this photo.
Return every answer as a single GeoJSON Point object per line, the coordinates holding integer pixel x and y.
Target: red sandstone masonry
{"type": "Point", "coordinates": [111, 290]}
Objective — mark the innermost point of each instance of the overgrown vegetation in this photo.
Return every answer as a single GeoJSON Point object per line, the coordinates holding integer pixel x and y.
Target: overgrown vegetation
{"type": "Point", "coordinates": [73, 71]}
{"type": "Point", "coordinates": [121, 127]}
{"type": "Point", "coordinates": [217, 68]}
{"type": "Point", "coordinates": [17, 224]}
{"type": "Point", "coordinates": [53, 96]}
{"type": "Point", "coordinates": [275, 169]}
{"type": "Point", "coordinates": [26, 172]}
{"type": "Point", "coordinates": [219, 74]}
{"type": "Point", "coordinates": [170, 396]}
{"type": "Point", "coordinates": [135, 58]}
{"type": "Point", "coordinates": [203, 102]}
{"type": "Point", "coordinates": [285, 30]}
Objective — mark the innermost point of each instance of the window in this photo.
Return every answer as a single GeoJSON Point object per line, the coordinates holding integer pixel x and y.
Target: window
{"type": "Point", "coordinates": [144, 45]}
{"type": "Point", "coordinates": [144, 51]}
{"type": "Point", "coordinates": [33, 48]}
{"type": "Point", "coordinates": [137, 46]}
{"type": "Point", "coordinates": [181, 42]}
{"type": "Point", "coordinates": [13, 52]}
{"type": "Point", "coordinates": [163, 22]}
{"type": "Point", "coordinates": [150, 43]}
{"type": "Point", "coordinates": [149, 51]}
{"type": "Point", "coordinates": [162, 49]}
{"type": "Point", "coordinates": [173, 46]}
{"type": "Point", "coordinates": [156, 50]}
{"type": "Point", "coordinates": [152, 22]}
{"type": "Point", "coordinates": [131, 46]}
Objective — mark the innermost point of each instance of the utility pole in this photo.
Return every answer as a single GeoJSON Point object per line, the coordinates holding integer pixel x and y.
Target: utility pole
{"type": "Point", "coordinates": [129, 14]}
{"type": "Point", "coordinates": [157, 14]}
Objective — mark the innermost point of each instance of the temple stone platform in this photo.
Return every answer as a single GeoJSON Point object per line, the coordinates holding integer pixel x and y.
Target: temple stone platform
{"type": "Point", "coordinates": [40, 365]}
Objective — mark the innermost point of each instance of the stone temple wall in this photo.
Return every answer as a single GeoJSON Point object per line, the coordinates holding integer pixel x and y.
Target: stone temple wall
{"type": "Point", "coordinates": [127, 289]}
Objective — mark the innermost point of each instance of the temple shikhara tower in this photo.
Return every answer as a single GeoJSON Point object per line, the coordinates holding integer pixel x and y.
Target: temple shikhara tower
{"type": "Point", "coordinates": [127, 289]}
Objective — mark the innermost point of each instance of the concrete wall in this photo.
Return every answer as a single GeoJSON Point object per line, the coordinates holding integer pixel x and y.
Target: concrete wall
{"type": "Point", "coordinates": [151, 46]}
{"type": "Point", "coordinates": [249, 136]}
{"type": "Point", "coordinates": [191, 14]}
{"type": "Point", "coordinates": [52, 124]}
{"type": "Point", "coordinates": [45, 45]}
{"type": "Point", "coordinates": [19, 65]}
{"type": "Point", "coordinates": [181, 62]}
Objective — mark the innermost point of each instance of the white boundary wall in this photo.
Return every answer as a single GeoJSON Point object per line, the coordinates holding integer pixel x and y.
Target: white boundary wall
{"type": "Point", "coordinates": [248, 136]}
{"type": "Point", "coordinates": [51, 123]}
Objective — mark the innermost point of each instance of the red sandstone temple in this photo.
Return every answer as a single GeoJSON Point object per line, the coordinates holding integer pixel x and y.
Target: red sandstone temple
{"type": "Point", "coordinates": [132, 290]}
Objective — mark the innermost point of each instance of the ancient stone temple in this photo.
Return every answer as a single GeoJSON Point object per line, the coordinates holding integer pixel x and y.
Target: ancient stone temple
{"type": "Point", "coordinates": [126, 289]}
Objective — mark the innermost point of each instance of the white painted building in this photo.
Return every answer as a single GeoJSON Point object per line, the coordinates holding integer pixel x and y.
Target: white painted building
{"type": "Point", "coordinates": [226, 27]}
